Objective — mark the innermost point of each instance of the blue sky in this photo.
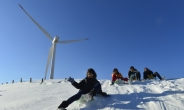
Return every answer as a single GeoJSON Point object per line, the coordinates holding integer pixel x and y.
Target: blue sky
{"type": "Point", "coordinates": [122, 33]}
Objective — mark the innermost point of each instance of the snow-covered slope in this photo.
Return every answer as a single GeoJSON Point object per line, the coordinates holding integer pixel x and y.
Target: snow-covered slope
{"type": "Point", "coordinates": [149, 95]}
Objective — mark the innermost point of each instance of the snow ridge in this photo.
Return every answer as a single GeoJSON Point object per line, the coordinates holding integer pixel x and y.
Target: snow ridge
{"type": "Point", "coordinates": [149, 95]}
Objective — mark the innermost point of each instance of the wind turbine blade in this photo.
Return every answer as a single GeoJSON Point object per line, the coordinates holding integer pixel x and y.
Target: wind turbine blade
{"type": "Point", "coordinates": [70, 41]}
{"type": "Point", "coordinates": [49, 58]}
{"type": "Point", "coordinates": [42, 29]}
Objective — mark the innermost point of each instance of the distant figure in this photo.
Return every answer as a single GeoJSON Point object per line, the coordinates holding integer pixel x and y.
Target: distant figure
{"type": "Point", "coordinates": [117, 75]}
{"type": "Point", "coordinates": [134, 74]}
{"type": "Point", "coordinates": [89, 85]}
{"type": "Point", "coordinates": [148, 74]}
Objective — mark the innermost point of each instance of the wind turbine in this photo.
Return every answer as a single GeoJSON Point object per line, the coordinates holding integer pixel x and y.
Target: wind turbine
{"type": "Point", "coordinates": [55, 40]}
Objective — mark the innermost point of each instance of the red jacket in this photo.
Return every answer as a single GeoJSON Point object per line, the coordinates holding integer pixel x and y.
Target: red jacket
{"type": "Point", "coordinates": [118, 76]}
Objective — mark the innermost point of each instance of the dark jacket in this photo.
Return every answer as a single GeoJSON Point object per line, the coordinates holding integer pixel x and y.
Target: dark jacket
{"type": "Point", "coordinates": [134, 72]}
{"type": "Point", "coordinates": [146, 73]}
{"type": "Point", "coordinates": [87, 84]}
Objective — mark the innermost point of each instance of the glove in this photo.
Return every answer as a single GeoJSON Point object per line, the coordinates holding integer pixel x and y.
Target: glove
{"type": "Point", "coordinates": [71, 80]}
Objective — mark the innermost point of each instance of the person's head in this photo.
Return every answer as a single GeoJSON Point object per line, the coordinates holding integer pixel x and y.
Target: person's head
{"type": "Point", "coordinates": [145, 69]}
{"type": "Point", "coordinates": [115, 70]}
{"type": "Point", "coordinates": [91, 73]}
{"type": "Point", "coordinates": [132, 68]}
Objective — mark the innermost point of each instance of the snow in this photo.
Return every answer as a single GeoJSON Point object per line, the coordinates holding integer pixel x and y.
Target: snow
{"type": "Point", "coordinates": [149, 95]}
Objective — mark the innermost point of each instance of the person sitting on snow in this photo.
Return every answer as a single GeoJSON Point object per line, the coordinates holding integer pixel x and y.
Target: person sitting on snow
{"type": "Point", "coordinates": [148, 74]}
{"type": "Point", "coordinates": [134, 74]}
{"type": "Point", "coordinates": [117, 75]}
{"type": "Point", "coordinates": [89, 85]}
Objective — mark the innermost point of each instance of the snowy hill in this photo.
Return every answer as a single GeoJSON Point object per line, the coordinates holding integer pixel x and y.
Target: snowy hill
{"type": "Point", "coordinates": [149, 95]}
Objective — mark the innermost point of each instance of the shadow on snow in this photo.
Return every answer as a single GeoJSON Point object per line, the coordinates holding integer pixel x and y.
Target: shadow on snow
{"type": "Point", "coordinates": [127, 101]}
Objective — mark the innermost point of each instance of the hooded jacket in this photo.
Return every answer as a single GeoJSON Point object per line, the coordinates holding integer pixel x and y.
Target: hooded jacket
{"type": "Point", "coordinates": [116, 76]}
{"type": "Point", "coordinates": [133, 72]}
{"type": "Point", "coordinates": [148, 74]}
{"type": "Point", "coordinates": [87, 84]}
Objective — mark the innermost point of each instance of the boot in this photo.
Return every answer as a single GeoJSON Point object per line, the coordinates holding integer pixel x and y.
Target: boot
{"type": "Point", "coordinates": [64, 104]}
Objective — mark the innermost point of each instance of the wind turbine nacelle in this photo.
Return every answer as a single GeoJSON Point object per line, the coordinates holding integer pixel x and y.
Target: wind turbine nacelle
{"type": "Point", "coordinates": [56, 39]}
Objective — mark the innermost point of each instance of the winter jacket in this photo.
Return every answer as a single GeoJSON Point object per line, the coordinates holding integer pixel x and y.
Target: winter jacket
{"type": "Point", "coordinates": [116, 76]}
{"type": "Point", "coordinates": [87, 84]}
{"type": "Point", "coordinates": [148, 74]}
{"type": "Point", "coordinates": [134, 72]}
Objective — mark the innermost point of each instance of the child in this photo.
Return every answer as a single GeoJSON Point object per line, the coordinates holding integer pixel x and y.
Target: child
{"type": "Point", "coordinates": [89, 85]}
{"type": "Point", "coordinates": [133, 73]}
{"type": "Point", "coordinates": [117, 75]}
{"type": "Point", "coordinates": [148, 74]}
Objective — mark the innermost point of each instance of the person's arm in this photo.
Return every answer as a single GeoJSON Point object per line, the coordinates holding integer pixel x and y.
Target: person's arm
{"type": "Point", "coordinates": [79, 85]}
{"type": "Point", "coordinates": [120, 76]}
{"type": "Point", "coordinates": [113, 77]}
{"type": "Point", "coordinates": [97, 84]}
{"type": "Point", "coordinates": [129, 74]}
{"type": "Point", "coordinates": [135, 71]}
{"type": "Point", "coordinates": [144, 75]}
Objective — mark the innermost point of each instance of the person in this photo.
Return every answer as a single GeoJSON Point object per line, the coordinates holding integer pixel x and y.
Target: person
{"type": "Point", "coordinates": [89, 85]}
{"type": "Point", "coordinates": [134, 74]}
{"type": "Point", "coordinates": [117, 75]}
{"type": "Point", "coordinates": [148, 74]}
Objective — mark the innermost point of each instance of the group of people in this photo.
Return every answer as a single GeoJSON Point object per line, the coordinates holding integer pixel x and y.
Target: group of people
{"type": "Point", "coordinates": [134, 74]}
{"type": "Point", "coordinates": [92, 87]}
